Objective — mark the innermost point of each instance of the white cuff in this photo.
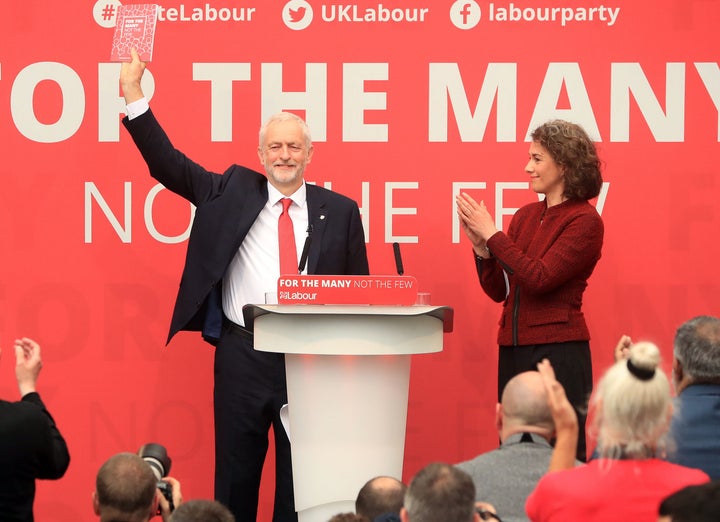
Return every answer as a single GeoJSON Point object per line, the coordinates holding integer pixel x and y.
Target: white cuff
{"type": "Point", "coordinates": [137, 108]}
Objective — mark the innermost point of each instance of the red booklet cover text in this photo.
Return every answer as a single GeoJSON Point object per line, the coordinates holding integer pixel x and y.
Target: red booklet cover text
{"type": "Point", "coordinates": [134, 27]}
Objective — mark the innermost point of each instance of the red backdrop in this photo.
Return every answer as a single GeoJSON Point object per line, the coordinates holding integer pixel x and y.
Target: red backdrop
{"type": "Point", "coordinates": [404, 113]}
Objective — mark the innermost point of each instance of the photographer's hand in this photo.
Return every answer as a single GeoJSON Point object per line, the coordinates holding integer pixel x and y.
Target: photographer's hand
{"type": "Point", "coordinates": [164, 505]}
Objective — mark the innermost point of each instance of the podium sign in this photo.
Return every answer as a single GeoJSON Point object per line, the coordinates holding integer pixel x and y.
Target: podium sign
{"type": "Point", "coordinates": [335, 289]}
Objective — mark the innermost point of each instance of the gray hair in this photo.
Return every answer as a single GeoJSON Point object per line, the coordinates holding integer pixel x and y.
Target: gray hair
{"type": "Point", "coordinates": [440, 491]}
{"type": "Point", "coordinates": [697, 349]}
{"type": "Point", "coordinates": [285, 116]}
{"type": "Point", "coordinates": [633, 405]}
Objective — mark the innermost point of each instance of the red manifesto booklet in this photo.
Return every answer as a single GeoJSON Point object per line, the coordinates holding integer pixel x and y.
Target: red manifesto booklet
{"type": "Point", "coordinates": [134, 27]}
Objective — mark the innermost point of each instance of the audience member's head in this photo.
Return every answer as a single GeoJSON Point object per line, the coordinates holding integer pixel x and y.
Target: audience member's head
{"type": "Point", "coordinates": [125, 490]}
{"type": "Point", "coordinates": [696, 354]}
{"type": "Point", "coordinates": [202, 510]}
{"type": "Point", "coordinates": [633, 405]}
{"type": "Point", "coordinates": [440, 491]}
{"type": "Point", "coordinates": [379, 496]}
{"type": "Point", "coordinates": [692, 504]}
{"type": "Point", "coordinates": [387, 517]}
{"type": "Point", "coordinates": [524, 407]}
{"type": "Point", "coordinates": [348, 517]}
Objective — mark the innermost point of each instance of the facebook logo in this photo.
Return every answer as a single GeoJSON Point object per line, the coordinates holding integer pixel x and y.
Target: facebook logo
{"type": "Point", "coordinates": [465, 14]}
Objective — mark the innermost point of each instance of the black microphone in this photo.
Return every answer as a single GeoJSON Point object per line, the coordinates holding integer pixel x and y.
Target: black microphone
{"type": "Point", "coordinates": [305, 250]}
{"type": "Point", "coordinates": [398, 259]}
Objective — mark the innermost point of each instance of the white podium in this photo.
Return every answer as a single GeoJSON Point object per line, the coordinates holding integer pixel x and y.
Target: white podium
{"type": "Point", "coordinates": [348, 375]}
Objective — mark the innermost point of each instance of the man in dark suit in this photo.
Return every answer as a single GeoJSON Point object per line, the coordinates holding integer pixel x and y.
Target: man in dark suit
{"type": "Point", "coordinates": [31, 446]}
{"type": "Point", "coordinates": [232, 260]}
{"type": "Point", "coordinates": [696, 376]}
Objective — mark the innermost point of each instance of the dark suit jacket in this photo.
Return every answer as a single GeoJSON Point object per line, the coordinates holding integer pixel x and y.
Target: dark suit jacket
{"type": "Point", "coordinates": [227, 206]}
{"type": "Point", "coordinates": [31, 447]}
{"type": "Point", "coordinates": [696, 429]}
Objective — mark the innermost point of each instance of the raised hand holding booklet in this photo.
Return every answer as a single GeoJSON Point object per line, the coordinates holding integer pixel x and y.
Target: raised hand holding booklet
{"type": "Point", "coordinates": [134, 27]}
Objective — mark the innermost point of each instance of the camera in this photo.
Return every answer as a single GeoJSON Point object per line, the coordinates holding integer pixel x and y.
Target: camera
{"type": "Point", "coordinates": [159, 461]}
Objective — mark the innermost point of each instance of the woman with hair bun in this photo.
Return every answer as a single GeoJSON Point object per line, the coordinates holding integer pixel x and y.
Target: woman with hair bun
{"type": "Point", "coordinates": [632, 408]}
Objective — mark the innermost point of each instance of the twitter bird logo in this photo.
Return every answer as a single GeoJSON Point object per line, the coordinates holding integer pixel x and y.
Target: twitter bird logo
{"type": "Point", "coordinates": [297, 14]}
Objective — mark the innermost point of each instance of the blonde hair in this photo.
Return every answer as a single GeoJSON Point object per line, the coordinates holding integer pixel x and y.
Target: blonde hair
{"type": "Point", "coordinates": [633, 405]}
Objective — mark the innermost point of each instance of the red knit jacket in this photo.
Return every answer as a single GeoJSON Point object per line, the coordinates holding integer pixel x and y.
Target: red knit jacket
{"type": "Point", "coordinates": [548, 255]}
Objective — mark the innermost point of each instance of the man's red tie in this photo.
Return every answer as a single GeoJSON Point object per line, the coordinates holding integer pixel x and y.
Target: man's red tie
{"type": "Point", "coordinates": [286, 238]}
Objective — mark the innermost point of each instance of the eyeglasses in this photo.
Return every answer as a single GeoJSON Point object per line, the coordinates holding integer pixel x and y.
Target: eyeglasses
{"type": "Point", "coordinates": [487, 515]}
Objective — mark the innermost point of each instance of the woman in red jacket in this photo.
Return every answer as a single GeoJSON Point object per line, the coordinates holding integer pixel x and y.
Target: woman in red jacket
{"type": "Point", "coordinates": [632, 412]}
{"type": "Point", "coordinates": [540, 267]}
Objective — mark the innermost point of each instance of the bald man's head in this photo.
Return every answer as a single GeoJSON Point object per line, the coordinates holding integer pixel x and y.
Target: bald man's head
{"type": "Point", "coordinates": [524, 407]}
{"type": "Point", "coordinates": [380, 495]}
